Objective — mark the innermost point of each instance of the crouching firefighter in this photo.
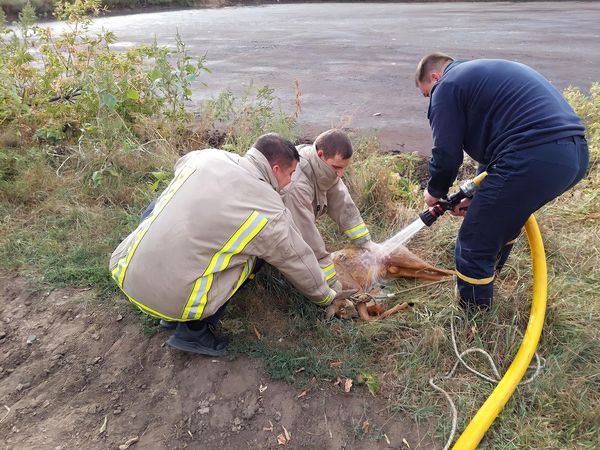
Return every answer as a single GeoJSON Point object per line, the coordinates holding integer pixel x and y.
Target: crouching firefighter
{"type": "Point", "coordinates": [317, 189]}
{"type": "Point", "coordinates": [220, 215]}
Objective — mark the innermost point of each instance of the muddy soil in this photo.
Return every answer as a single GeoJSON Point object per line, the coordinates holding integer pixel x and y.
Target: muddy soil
{"type": "Point", "coordinates": [79, 373]}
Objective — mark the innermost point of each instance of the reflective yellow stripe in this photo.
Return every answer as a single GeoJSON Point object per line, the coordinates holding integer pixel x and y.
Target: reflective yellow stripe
{"type": "Point", "coordinates": [151, 311]}
{"type": "Point", "coordinates": [474, 280]}
{"type": "Point", "coordinates": [512, 242]}
{"type": "Point", "coordinates": [245, 274]}
{"type": "Point", "coordinates": [326, 299]}
{"type": "Point", "coordinates": [118, 273]}
{"type": "Point", "coordinates": [329, 271]}
{"type": "Point", "coordinates": [243, 235]}
{"type": "Point", "coordinates": [356, 232]}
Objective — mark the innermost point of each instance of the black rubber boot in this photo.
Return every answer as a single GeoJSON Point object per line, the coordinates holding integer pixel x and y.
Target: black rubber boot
{"type": "Point", "coordinates": [201, 341]}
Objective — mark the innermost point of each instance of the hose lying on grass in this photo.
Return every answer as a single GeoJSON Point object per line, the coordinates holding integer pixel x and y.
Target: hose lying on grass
{"type": "Point", "coordinates": [488, 412]}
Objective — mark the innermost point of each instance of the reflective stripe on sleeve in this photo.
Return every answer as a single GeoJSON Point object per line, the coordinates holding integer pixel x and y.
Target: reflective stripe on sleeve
{"type": "Point", "coordinates": [329, 271]}
{"type": "Point", "coordinates": [512, 242]}
{"type": "Point", "coordinates": [356, 232]}
{"type": "Point", "coordinates": [478, 281]}
{"type": "Point", "coordinates": [325, 300]}
{"type": "Point", "coordinates": [243, 235]}
{"type": "Point", "coordinates": [248, 266]}
{"type": "Point", "coordinates": [118, 273]}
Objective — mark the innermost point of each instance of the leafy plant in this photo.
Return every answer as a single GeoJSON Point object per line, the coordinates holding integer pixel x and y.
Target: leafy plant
{"type": "Point", "coordinates": [243, 119]}
{"type": "Point", "coordinates": [78, 90]}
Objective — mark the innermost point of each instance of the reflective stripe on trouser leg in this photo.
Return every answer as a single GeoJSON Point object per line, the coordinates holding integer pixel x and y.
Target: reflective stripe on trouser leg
{"type": "Point", "coordinates": [470, 294]}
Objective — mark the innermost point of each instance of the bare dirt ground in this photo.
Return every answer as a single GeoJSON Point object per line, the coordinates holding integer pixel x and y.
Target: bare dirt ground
{"type": "Point", "coordinates": [76, 373]}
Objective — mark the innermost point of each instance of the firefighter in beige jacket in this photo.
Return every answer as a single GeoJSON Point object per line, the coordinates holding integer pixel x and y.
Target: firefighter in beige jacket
{"type": "Point", "coordinates": [317, 188]}
{"type": "Point", "coordinates": [201, 242]}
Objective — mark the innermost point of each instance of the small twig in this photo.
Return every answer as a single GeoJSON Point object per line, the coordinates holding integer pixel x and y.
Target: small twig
{"type": "Point", "coordinates": [7, 413]}
{"type": "Point", "coordinates": [62, 164]}
{"type": "Point", "coordinates": [327, 425]}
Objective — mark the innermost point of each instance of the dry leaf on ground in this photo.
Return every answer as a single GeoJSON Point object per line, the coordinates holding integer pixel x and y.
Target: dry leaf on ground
{"type": "Point", "coordinates": [302, 394]}
{"type": "Point", "coordinates": [284, 437]}
{"type": "Point", "coordinates": [365, 426]}
{"type": "Point", "coordinates": [269, 428]}
{"type": "Point", "coordinates": [130, 442]}
{"type": "Point", "coordinates": [348, 385]}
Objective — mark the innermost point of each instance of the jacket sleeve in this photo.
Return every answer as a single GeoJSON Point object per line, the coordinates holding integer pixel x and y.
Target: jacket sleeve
{"type": "Point", "coordinates": [447, 120]}
{"type": "Point", "coordinates": [343, 211]}
{"type": "Point", "coordinates": [299, 203]}
{"type": "Point", "coordinates": [281, 245]}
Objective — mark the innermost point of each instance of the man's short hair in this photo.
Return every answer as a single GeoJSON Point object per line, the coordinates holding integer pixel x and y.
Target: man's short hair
{"type": "Point", "coordinates": [429, 63]}
{"type": "Point", "coordinates": [334, 142]}
{"type": "Point", "coordinates": [277, 150]}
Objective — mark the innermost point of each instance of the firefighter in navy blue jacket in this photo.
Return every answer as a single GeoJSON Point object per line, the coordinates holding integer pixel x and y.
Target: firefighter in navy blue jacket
{"type": "Point", "coordinates": [519, 128]}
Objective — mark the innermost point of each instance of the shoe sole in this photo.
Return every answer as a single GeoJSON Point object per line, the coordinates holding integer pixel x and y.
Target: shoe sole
{"type": "Point", "coordinates": [190, 347]}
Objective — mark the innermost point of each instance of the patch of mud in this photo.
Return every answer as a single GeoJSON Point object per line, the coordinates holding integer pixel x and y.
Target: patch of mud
{"type": "Point", "coordinates": [76, 373]}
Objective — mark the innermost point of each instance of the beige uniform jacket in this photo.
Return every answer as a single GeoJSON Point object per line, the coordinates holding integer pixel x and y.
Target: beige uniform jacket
{"type": "Point", "coordinates": [316, 190]}
{"type": "Point", "coordinates": [219, 213]}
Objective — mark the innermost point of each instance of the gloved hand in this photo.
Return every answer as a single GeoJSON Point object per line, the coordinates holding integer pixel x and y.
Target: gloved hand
{"type": "Point", "coordinates": [378, 251]}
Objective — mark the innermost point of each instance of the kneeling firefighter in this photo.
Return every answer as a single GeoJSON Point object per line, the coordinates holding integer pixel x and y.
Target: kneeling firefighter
{"type": "Point", "coordinates": [220, 215]}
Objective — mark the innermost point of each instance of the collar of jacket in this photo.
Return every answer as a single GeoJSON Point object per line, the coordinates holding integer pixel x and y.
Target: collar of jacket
{"type": "Point", "coordinates": [448, 68]}
{"type": "Point", "coordinates": [323, 175]}
{"type": "Point", "coordinates": [256, 163]}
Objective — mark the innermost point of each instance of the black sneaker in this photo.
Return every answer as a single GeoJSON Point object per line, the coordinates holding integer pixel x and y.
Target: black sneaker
{"type": "Point", "coordinates": [201, 341]}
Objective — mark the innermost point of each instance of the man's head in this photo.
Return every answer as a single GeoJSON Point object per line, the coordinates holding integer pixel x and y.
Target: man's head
{"type": "Point", "coordinates": [429, 70]}
{"type": "Point", "coordinates": [334, 147]}
{"type": "Point", "coordinates": [281, 154]}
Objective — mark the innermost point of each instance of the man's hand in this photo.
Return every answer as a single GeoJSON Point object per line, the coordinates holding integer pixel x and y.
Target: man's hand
{"type": "Point", "coordinates": [430, 199]}
{"type": "Point", "coordinates": [460, 210]}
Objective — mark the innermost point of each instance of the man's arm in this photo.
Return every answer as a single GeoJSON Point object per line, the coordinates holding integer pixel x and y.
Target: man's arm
{"type": "Point", "coordinates": [343, 211]}
{"type": "Point", "coordinates": [281, 245]}
{"type": "Point", "coordinates": [298, 200]}
{"type": "Point", "coordinates": [448, 124]}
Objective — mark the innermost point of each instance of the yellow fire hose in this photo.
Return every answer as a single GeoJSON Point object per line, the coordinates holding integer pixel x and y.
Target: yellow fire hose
{"type": "Point", "coordinates": [473, 433]}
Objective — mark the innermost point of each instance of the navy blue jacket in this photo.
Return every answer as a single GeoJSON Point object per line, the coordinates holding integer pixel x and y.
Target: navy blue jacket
{"type": "Point", "coordinates": [488, 107]}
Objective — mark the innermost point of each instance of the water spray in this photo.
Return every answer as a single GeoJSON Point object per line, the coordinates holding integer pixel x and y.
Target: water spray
{"type": "Point", "coordinates": [428, 217]}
